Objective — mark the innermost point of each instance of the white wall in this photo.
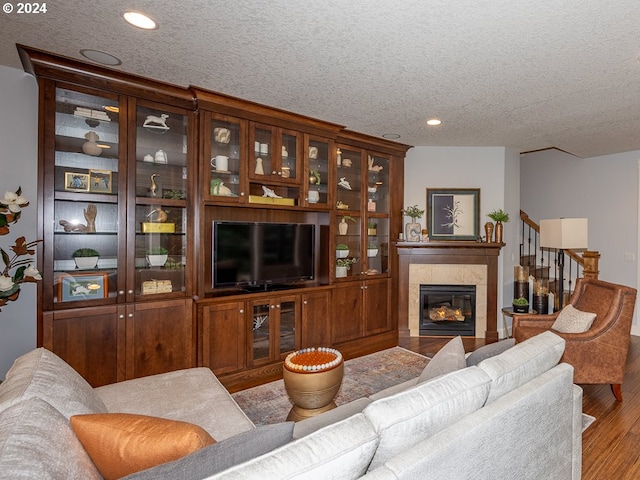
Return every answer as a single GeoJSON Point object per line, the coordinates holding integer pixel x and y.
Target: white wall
{"type": "Point", "coordinates": [604, 190]}
{"type": "Point", "coordinates": [494, 170]}
{"type": "Point", "coordinates": [19, 164]}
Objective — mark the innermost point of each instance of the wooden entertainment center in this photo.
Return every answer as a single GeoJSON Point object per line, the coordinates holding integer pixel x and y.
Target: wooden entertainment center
{"type": "Point", "coordinates": [130, 167]}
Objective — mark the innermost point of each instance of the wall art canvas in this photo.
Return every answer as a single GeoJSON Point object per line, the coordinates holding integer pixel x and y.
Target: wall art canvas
{"type": "Point", "coordinates": [453, 213]}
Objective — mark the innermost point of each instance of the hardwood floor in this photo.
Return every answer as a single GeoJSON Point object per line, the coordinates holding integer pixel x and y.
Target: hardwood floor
{"type": "Point", "coordinates": [611, 445]}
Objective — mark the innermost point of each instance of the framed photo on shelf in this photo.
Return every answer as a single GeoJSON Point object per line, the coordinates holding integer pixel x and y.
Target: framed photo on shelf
{"type": "Point", "coordinates": [453, 213]}
{"type": "Point", "coordinates": [74, 286]}
{"type": "Point", "coordinates": [100, 181]}
{"type": "Point", "coordinates": [76, 182]}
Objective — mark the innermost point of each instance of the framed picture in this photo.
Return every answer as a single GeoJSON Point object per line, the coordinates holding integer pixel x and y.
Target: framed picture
{"type": "Point", "coordinates": [100, 181]}
{"type": "Point", "coordinates": [453, 213]}
{"type": "Point", "coordinates": [82, 286]}
{"type": "Point", "coordinates": [76, 182]}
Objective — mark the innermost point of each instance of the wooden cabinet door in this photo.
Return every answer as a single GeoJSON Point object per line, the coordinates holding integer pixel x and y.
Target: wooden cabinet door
{"type": "Point", "coordinates": [160, 337]}
{"type": "Point", "coordinates": [223, 335]}
{"type": "Point", "coordinates": [347, 312]}
{"type": "Point", "coordinates": [316, 315]}
{"type": "Point", "coordinates": [376, 307]}
{"type": "Point", "coordinates": [91, 340]}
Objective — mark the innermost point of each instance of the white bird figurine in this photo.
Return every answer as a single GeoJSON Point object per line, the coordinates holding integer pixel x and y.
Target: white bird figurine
{"type": "Point", "coordinates": [269, 193]}
{"type": "Point", "coordinates": [344, 183]}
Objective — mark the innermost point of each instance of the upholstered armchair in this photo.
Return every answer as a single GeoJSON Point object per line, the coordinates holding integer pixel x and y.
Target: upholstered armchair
{"type": "Point", "coordinates": [598, 355]}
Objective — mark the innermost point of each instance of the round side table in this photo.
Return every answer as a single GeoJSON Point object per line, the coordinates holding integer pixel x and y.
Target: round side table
{"type": "Point", "coordinates": [508, 312]}
{"type": "Point", "coordinates": [312, 378]}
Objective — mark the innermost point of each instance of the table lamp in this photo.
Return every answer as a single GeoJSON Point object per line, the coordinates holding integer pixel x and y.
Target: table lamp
{"type": "Point", "coordinates": [562, 234]}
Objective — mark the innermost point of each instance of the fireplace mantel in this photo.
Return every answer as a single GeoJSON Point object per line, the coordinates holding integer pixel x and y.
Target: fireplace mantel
{"type": "Point", "coordinates": [452, 253]}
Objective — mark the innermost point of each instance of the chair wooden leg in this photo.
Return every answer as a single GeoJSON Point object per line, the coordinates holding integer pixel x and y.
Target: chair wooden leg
{"type": "Point", "coordinates": [616, 388]}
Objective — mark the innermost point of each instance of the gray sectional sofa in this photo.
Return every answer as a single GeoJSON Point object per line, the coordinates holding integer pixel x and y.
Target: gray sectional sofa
{"type": "Point", "coordinates": [516, 415]}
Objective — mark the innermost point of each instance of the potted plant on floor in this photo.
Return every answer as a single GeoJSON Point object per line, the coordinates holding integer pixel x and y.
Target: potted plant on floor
{"type": "Point", "coordinates": [342, 250]}
{"type": "Point", "coordinates": [86, 258]}
{"type": "Point", "coordinates": [157, 256]}
{"type": "Point", "coordinates": [343, 265]}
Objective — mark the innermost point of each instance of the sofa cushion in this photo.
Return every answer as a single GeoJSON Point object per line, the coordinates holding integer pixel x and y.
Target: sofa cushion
{"type": "Point", "coordinates": [192, 395]}
{"type": "Point", "coordinates": [36, 441]}
{"type": "Point", "coordinates": [311, 424]}
{"type": "Point", "coordinates": [122, 443]}
{"type": "Point", "coordinates": [222, 455]}
{"type": "Point", "coordinates": [406, 418]}
{"type": "Point", "coordinates": [521, 363]}
{"type": "Point", "coordinates": [489, 350]}
{"type": "Point", "coordinates": [572, 320]}
{"type": "Point", "coordinates": [448, 359]}
{"type": "Point", "coordinates": [41, 373]}
{"type": "Point", "coordinates": [340, 451]}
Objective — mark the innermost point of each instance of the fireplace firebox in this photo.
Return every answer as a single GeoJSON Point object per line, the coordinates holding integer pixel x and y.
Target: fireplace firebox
{"type": "Point", "coordinates": [448, 310]}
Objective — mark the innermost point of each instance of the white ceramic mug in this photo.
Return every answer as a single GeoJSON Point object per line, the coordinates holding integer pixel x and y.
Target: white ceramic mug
{"type": "Point", "coordinates": [220, 163]}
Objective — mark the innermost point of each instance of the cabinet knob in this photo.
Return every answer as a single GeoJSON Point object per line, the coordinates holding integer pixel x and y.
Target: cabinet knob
{"type": "Point", "coordinates": [130, 292]}
{"type": "Point", "coordinates": [305, 302]}
{"type": "Point", "coordinates": [242, 194]}
{"type": "Point", "coordinates": [242, 310]}
{"type": "Point", "coordinates": [130, 315]}
{"type": "Point", "coordinates": [273, 306]}
{"type": "Point", "coordinates": [120, 316]}
{"type": "Point", "coordinates": [278, 306]}
{"type": "Point", "coordinates": [121, 292]}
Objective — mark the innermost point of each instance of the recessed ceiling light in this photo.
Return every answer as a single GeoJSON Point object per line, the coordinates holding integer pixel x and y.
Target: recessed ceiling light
{"type": "Point", "coordinates": [140, 20]}
{"type": "Point", "coordinates": [432, 122]}
{"type": "Point", "coordinates": [100, 57]}
{"type": "Point", "coordinates": [391, 136]}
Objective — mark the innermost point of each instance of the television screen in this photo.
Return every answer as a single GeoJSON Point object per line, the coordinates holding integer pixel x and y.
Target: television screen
{"type": "Point", "coordinates": [262, 254]}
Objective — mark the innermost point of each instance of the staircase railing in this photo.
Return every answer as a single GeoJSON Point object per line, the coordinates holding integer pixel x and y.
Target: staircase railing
{"type": "Point", "coordinates": [543, 262]}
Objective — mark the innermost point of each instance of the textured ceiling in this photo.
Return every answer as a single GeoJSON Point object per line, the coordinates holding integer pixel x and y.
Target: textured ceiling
{"type": "Point", "coordinates": [516, 73]}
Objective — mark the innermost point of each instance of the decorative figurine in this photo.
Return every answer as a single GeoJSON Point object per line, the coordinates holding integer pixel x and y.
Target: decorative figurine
{"type": "Point", "coordinates": [219, 188]}
{"type": "Point", "coordinates": [161, 157]}
{"type": "Point", "coordinates": [157, 216]}
{"type": "Point", "coordinates": [372, 167]}
{"type": "Point", "coordinates": [344, 183]}
{"type": "Point", "coordinates": [153, 188]}
{"type": "Point", "coordinates": [90, 216]}
{"type": "Point", "coordinates": [269, 193]}
{"type": "Point", "coordinates": [153, 121]}
{"type": "Point", "coordinates": [259, 169]}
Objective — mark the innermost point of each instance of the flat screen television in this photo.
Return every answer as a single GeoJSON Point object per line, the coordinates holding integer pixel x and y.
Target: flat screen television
{"type": "Point", "coordinates": [261, 255]}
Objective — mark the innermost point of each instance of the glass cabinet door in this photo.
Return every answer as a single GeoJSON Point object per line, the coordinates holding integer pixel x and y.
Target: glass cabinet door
{"type": "Point", "coordinates": [86, 228]}
{"type": "Point", "coordinates": [318, 152]}
{"type": "Point", "coordinates": [349, 179]}
{"type": "Point", "coordinates": [377, 227]}
{"type": "Point", "coordinates": [287, 309]}
{"type": "Point", "coordinates": [261, 338]}
{"type": "Point", "coordinates": [263, 165]}
{"type": "Point", "coordinates": [160, 220]}
{"type": "Point", "coordinates": [226, 168]}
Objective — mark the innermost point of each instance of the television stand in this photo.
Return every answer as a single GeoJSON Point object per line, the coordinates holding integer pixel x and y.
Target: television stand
{"type": "Point", "coordinates": [268, 287]}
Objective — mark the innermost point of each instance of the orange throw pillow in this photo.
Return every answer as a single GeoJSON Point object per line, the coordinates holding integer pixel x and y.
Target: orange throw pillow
{"type": "Point", "coordinates": [121, 443]}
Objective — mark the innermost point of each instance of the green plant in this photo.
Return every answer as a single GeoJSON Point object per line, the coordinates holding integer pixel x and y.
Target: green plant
{"type": "Point", "coordinates": [157, 251]}
{"type": "Point", "coordinates": [85, 252]}
{"type": "Point", "coordinates": [498, 216]}
{"type": "Point", "coordinates": [371, 224]}
{"type": "Point", "coordinates": [372, 245]}
{"type": "Point", "coordinates": [342, 246]}
{"type": "Point", "coordinates": [413, 212]}
{"type": "Point", "coordinates": [348, 218]}
{"type": "Point", "coordinates": [10, 211]}
{"type": "Point", "coordinates": [346, 262]}
{"type": "Point", "coordinates": [520, 301]}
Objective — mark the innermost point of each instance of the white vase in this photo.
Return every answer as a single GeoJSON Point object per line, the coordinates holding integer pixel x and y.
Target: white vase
{"type": "Point", "coordinates": [314, 196]}
{"type": "Point", "coordinates": [90, 147]}
{"type": "Point", "coordinates": [157, 260]}
{"type": "Point", "coordinates": [342, 253]}
{"type": "Point", "coordinates": [85, 263]}
{"type": "Point", "coordinates": [412, 232]}
{"type": "Point", "coordinates": [372, 252]}
{"type": "Point", "coordinates": [343, 227]}
{"type": "Point", "coordinates": [341, 272]}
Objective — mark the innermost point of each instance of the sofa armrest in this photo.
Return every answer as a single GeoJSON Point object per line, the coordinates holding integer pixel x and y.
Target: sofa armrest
{"type": "Point", "coordinates": [193, 395]}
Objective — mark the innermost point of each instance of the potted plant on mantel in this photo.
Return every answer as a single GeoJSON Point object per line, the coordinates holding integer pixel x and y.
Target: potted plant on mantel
{"type": "Point", "coordinates": [343, 265]}
{"type": "Point", "coordinates": [86, 258]}
{"type": "Point", "coordinates": [412, 230]}
{"type": "Point", "coordinates": [499, 216]}
{"type": "Point", "coordinates": [342, 250]}
{"type": "Point", "coordinates": [157, 256]}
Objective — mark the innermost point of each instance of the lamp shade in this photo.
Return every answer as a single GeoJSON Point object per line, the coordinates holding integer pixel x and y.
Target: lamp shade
{"type": "Point", "coordinates": [565, 233]}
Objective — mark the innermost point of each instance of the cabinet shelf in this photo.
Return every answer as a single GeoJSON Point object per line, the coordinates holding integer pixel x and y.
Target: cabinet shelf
{"type": "Point", "coordinates": [86, 197]}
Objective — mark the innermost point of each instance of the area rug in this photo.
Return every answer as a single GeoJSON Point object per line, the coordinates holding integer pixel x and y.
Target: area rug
{"type": "Point", "coordinates": [363, 376]}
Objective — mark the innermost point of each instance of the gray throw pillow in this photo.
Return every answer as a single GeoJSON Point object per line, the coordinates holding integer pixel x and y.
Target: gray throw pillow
{"type": "Point", "coordinates": [490, 350]}
{"type": "Point", "coordinates": [222, 455]}
{"type": "Point", "coordinates": [448, 359]}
